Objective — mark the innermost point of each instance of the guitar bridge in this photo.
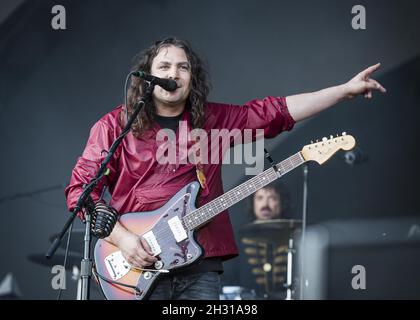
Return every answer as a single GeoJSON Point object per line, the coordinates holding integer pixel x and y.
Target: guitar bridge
{"type": "Point", "coordinates": [116, 265]}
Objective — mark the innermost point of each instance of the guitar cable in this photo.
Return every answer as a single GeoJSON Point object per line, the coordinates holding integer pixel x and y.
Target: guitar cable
{"type": "Point", "coordinates": [98, 275]}
{"type": "Point", "coordinates": [103, 221]}
{"type": "Point", "coordinates": [95, 272]}
{"type": "Point", "coordinates": [65, 257]}
{"type": "Point", "coordinates": [93, 269]}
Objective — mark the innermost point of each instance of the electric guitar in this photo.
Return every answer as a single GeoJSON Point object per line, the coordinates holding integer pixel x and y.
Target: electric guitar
{"type": "Point", "coordinates": [169, 230]}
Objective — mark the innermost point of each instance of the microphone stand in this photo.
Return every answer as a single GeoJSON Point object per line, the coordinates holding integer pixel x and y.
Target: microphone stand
{"type": "Point", "coordinates": [85, 200]}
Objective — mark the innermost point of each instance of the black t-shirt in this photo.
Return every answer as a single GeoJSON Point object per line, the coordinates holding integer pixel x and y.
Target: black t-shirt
{"type": "Point", "coordinates": [169, 122]}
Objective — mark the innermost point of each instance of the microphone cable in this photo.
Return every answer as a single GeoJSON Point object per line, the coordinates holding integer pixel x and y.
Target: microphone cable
{"type": "Point", "coordinates": [65, 259]}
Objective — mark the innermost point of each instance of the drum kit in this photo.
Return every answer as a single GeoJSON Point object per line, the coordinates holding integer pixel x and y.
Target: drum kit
{"type": "Point", "coordinates": [268, 271]}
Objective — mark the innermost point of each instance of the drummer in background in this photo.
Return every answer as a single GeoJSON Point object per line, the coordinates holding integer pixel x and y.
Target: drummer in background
{"type": "Point", "coordinates": [270, 202]}
{"type": "Point", "coordinates": [265, 267]}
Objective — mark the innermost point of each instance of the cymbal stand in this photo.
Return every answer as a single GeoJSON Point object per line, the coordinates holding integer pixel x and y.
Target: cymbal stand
{"type": "Point", "coordinates": [302, 243]}
{"type": "Point", "coordinates": [288, 285]}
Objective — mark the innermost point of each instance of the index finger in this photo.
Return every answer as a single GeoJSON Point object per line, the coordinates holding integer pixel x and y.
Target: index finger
{"type": "Point", "coordinates": [367, 72]}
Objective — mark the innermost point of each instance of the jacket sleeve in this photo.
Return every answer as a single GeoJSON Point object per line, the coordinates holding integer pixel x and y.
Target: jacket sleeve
{"type": "Point", "coordinates": [270, 114]}
{"type": "Point", "coordinates": [100, 139]}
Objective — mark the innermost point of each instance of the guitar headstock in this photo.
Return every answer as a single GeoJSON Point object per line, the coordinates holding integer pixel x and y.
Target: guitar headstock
{"type": "Point", "coordinates": [323, 150]}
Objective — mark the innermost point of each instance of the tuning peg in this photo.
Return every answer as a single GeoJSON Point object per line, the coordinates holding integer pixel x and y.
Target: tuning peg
{"type": "Point", "coordinates": [331, 137]}
{"type": "Point", "coordinates": [312, 142]}
{"type": "Point", "coordinates": [324, 139]}
{"type": "Point", "coordinates": [344, 134]}
{"type": "Point", "coordinates": [317, 140]}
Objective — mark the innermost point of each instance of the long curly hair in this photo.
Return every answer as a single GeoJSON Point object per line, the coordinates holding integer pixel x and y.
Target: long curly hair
{"type": "Point", "coordinates": [197, 99]}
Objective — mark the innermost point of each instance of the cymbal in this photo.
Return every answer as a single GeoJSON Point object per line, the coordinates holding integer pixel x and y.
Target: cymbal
{"type": "Point", "coordinates": [57, 259]}
{"type": "Point", "coordinates": [277, 224]}
{"type": "Point", "coordinates": [76, 240]}
{"type": "Point", "coordinates": [274, 230]}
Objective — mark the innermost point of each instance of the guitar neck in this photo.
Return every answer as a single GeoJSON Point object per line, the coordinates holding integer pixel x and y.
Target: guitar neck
{"type": "Point", "coordinates": [205, 213]}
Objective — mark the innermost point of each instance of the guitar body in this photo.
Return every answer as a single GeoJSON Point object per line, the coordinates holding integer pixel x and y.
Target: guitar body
{"type": "Point", "coordinates": [166, 231]}
{"type": "Point", "coordinates": [173, 247]}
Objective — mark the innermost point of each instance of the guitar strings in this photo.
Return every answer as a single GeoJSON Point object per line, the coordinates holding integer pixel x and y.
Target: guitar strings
{"type": "Point", "coordinates": [164, 233]}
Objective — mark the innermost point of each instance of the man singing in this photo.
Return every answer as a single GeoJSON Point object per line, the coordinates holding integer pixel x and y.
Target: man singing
{"type": "Point", "coordinates": [137, 182]}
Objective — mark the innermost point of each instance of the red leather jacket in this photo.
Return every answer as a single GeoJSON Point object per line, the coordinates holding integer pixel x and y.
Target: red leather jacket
{"type": "Point", "coordinates": [138, 183]}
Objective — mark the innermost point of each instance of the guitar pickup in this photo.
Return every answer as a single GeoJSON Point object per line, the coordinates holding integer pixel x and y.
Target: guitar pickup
{"type": "Point", "coordinates": [152, 242]}
{"type": "Point", "coordinates": [177, 229]}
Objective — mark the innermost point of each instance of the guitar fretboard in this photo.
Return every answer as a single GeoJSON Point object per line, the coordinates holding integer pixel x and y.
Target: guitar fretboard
{"type": "Point", "coordinates": [203, 214]}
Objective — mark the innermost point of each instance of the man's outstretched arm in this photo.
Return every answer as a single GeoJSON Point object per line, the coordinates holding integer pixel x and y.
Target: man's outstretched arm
{"type": "Point", "coordinates": [305, 105]}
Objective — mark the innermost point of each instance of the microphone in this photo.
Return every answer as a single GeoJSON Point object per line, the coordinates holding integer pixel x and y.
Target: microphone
{"type": "Point", "coordinates": [355, 156]}
{"type": "Point", "coordinates": [167, 84]}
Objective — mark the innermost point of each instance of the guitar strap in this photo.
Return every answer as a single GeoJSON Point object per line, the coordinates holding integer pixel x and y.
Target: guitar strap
{"type": "Point", "coordinates": [199, 169]}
